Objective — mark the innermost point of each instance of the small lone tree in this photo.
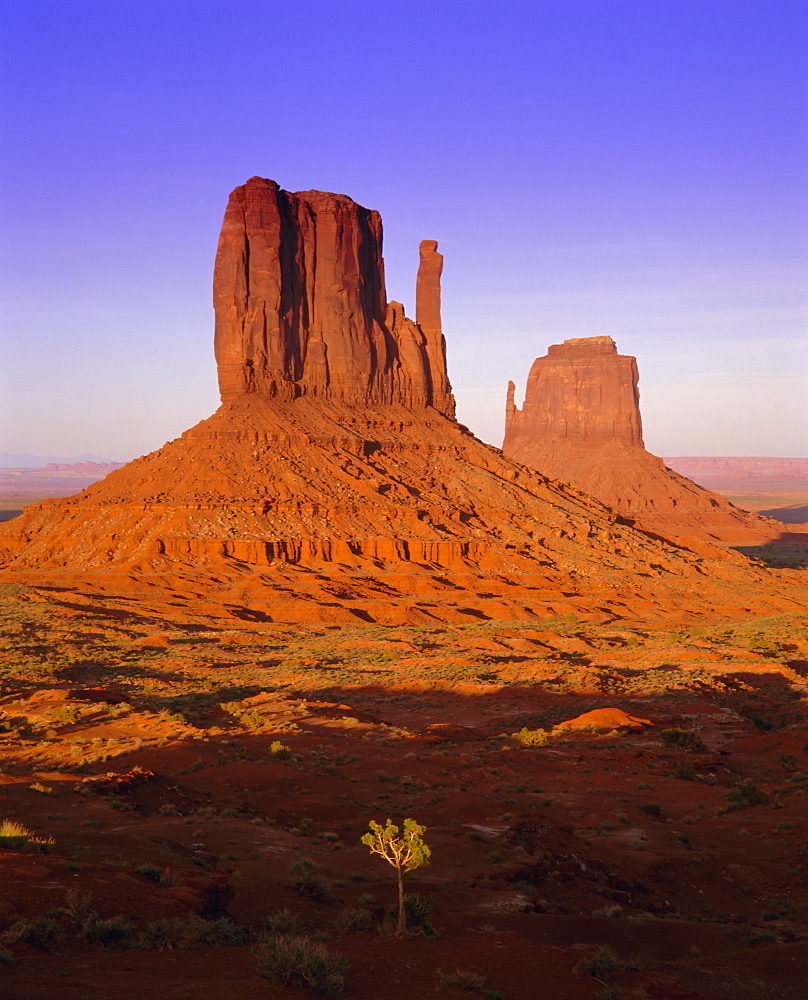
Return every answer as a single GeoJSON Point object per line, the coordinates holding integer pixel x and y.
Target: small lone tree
{"type": "Point", "coordinates": [404, 851]}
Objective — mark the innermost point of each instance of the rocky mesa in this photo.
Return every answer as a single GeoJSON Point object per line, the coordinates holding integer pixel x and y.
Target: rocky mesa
{"type": "Point", "coordinates": [334, 484]}
{"type": "Point", "coordinates": [581, 423]}
{"type": "Point", "coordinates": [301, 308]}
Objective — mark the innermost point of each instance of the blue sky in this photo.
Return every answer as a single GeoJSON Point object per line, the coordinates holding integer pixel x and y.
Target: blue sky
{"type": "Point", "coordinates": [635, 168]}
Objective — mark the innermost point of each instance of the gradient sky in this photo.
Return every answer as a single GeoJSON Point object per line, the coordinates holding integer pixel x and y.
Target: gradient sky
{"type": "Point", "coordinates": [635, 168]}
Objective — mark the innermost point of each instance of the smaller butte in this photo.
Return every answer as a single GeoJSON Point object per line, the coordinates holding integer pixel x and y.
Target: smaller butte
{"type": "Point", "coordinates": [580, 423]}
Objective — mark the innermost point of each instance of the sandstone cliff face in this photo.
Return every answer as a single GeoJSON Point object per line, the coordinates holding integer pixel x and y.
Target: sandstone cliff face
{"type": "Point", "coordinates": [580, 423]}
{"type": "Point", "coordinates": [333, 483]}
{"type": "Point", "coordinates": [584, 392]}
{"type": "Point", "coordinates": [301, 307]}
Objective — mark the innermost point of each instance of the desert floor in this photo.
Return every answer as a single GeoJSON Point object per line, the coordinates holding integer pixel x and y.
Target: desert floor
{"type": "Point", "coordinates": [609, 862]}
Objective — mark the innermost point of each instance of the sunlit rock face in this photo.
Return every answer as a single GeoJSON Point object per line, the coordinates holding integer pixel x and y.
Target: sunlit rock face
{"type": "Point", "coordinates": [301, 307]}
{"type": "Point", "coordinates": [580, 423]}
{"type": "Point", "coordinates": [582, 392]}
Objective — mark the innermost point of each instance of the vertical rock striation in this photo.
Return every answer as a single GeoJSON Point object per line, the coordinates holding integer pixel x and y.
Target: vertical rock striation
{"type": "Point", "coordinates": [582, 392]}
{"type": "Point", "coordinates": [301, 308]}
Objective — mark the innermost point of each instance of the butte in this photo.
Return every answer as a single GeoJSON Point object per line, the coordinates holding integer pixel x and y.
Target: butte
{"type": "Point", "coordinates": [580, 423]}
{"type": "Point", "coordinates": [334, 484]}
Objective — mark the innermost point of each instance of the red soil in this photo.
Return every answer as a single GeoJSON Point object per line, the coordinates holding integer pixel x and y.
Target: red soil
{"type": "Point", "coordinates": [540, 854]}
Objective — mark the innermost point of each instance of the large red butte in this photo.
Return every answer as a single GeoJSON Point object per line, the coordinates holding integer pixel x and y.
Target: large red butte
{"type": "Point", "coordinates": [301, 307]}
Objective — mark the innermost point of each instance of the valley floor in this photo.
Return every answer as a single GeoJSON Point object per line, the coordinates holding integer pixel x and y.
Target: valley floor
{"type": "Point", "coordinates": [172, 778]}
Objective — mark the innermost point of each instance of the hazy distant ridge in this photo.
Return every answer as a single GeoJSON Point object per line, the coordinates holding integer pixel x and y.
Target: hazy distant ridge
{"type": "Point", "coordinates": [752, 467]}
{"type": "Point", "coordinates": [8, 461]}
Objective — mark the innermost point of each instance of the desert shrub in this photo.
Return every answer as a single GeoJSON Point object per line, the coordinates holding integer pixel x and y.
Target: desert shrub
{"type": "Point", "coordinates": [686, 771]}
{"type": "Point", "coordinates": [69, 715]}
{"type": "Point", "coordinates": [280, 751]}
{"type": "Point", "coordinates": [151, 872]}
{"type": "Point", "coordinates": [747, 794]}
{"type": "Point", "coordinates": [683, 739]}
{"type": "Point", "coordinates": [466, 979]}
{"type": "Point", "coordinates": [110, 932]}
{"type": "Point", "coordinates": [281, 922]}
{"type": "Point", "coordinates": [603, 964]}
{"type": "Point", "coordinates": [760, 935]}
{"type": "Point", "coordinates": [763, 646]}
{"type": "Point", "coordinates": [170, 878]}
{"type": "Point", "coordinates": [652, 809]}
{"type": "Point", "coordinates": [13, 835]}
{"type": "Point", "coordinates": [160, 876]}
{"type": "Point", "coordinates": [41, 932]}
{"type": "Point", "coordinates": [253, 720]}
{"type": "Point", "coordinates": [42, 789]}
{"type": "Point", "coordinates": [608, 911]}
{"type": "Point", "coordinates": [77, 905]}
{"type": "Point", "coordinates": [16, 837]}
{"type": "Point", "coordinates": [417, 911]}
{"type": "Point", "coordinates": [352, 919]}
{"type": "Point", "coordinates": [531, 737]}
{"type": "Point", "coordinates": [306, 880]}
{"type": "Point", "coordinates": [6, 957]}
{"type": "Point", "coordinates": [165, 934]}
{"type": "Point", "coordinates": [221, 932]}
{"type": "Point", "coordinates": [301, 962]}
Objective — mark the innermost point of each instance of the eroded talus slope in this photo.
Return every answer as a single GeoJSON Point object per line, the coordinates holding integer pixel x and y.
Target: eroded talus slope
{"type": "Point", "coordinates": [580, 423]}
{"type": "Point", "coordinates": [334, 481]}
{"type": "Point", "coordinates": [267, 505]}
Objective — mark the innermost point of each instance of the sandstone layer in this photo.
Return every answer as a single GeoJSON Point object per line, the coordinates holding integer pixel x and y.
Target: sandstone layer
{"type": "Point", "coordinates": [333, 483]}
{"type": "Point", "coordinates": [580, 423]}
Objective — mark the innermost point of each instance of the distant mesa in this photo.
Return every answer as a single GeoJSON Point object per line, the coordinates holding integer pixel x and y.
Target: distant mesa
{"type": "Point", "coordinates": [9, 461]}
{"type": "Point", "coordinates": [333, 484]}
{"type": "Point", "coordinates": [719, 469]}
{"type": "Point", "coordinates": [580, 423]}
{"type": "Point", "coordinates": [47, 479]}
{"type": "Point", "coordinates": [91, 468]}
